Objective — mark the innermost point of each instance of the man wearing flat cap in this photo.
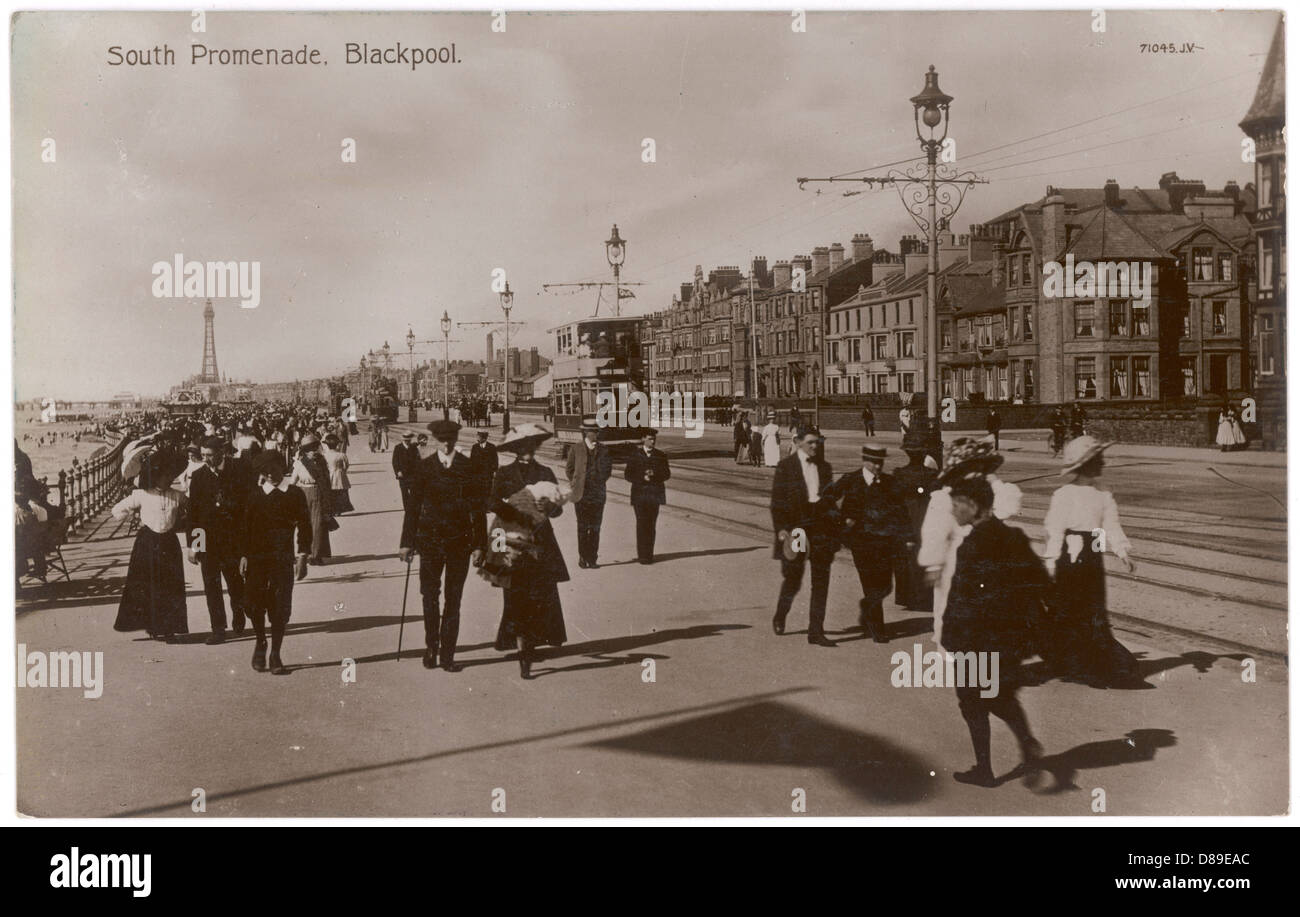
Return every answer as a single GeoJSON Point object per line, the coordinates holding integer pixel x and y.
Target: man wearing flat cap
{"type": "Point", "coordinates": [646, 471]}
{"type": "Point", "coordinates": [875, 529]}
{"type": "Point", "coordinates": [589, 466]}
{"type": "Point", "coordinates": [439, 526]}
{"type": "Point", "coordinates": [804, 530]}
{"type": "Point", "coordinates": [405, 460]}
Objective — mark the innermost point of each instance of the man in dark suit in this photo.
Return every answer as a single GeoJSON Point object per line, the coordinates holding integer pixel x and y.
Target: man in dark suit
{"type": "Point", "coordinates": [220, 489]}
{"type": "Point", "coordinates": [805, 530]}
{"type": "Point", "coordinates": [406, 459]}
{"type": "Point", "coordinates": [439, 525]}
{"type": "Point", "coordinates": [647, 469]}
{"type": "Point", "coordinates": [588, 467]}
{"type": "Point", "coordinates": [875, 529]}
{"type": "Point", "coordinates": [483, 466]}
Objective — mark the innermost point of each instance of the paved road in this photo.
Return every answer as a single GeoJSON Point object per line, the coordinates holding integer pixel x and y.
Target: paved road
{"type": "Point", "coordinates": [735, 721]}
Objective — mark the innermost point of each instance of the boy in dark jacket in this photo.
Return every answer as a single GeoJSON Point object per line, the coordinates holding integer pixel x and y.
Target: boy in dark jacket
{"type": "Point", "coordinates": [992, 608]}
{"type": "Point", "coordinates": [275, 509]}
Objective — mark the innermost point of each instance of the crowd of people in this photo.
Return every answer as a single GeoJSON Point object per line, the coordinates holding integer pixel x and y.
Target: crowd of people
{"type": "Point", "coordinates": [256, 492]}
{"type": "Point", "coordinates": [938, 539]}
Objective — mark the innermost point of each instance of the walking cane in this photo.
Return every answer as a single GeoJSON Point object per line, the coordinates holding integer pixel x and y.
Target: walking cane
{"type": "Point", "coordinates": [402, 626]}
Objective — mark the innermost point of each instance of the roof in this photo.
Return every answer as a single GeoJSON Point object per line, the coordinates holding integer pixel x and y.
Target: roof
{"type": "Point", "coordinates": [1108, 236]}
{"type": "Point", "coordinates": [1270, 97]}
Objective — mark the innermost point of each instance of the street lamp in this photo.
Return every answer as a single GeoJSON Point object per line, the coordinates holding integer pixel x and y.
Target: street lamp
{"type": "Point", "coordinates": [446, 364]}
{"type": "Point", "coordinates": [930, 107]}
{"type": "Point", "coordinates": [508, 300]}
{"type": "Point", "coordinates": [410, 352]}
{"type": "Point", "coordinates": [616, 253]}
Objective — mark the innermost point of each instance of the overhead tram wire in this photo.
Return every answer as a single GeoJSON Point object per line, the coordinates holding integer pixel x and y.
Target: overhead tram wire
{"type": "Point", "coordinates": [1002, 146]}
{"type": "Point", "coordinates": [652, 272]}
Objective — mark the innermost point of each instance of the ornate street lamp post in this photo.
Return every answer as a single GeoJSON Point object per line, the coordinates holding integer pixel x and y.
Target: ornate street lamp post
{"type": "Point", "coordinates": [930, 108]}
{"type": "Point", "coordinates": [446, 365]}
{"type": "Point", "coordinates": [615, 253]}
{"type": "Point", "coordinates": [508, 300]}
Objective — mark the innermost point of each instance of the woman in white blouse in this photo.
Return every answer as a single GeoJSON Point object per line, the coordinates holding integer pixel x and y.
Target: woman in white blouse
{"type": "Point", "coordinates": [153, 599]}
{"type": "Point", "coordinates": [1082, 524]}
{"type": "Point", "coordinates": [771, 441]}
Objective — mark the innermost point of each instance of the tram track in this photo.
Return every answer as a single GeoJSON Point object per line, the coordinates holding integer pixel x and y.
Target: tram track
{"type": "Point", "coordinates": [738, 487]}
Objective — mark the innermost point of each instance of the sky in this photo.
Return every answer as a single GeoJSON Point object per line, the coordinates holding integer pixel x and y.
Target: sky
{"type": "Point", "coordinates": [524, 153]}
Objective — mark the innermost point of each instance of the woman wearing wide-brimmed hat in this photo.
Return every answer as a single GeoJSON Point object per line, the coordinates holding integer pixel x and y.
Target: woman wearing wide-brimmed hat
{"type": "Point", "coordinates": [153, 599]}
{"type": "Point", "coordinates": [312, 474]}
{"type": "Point", "coordinates": [531, 614]}
{"type": "Point", "coordinates": [1082, 524]}
{"type": "Point", "coordinates": [941, 533]}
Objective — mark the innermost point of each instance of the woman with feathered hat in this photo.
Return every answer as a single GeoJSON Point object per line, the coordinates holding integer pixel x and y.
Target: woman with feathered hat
{"type": "Point", "coordinates": [531, 612]}
{"type": "Point", "coordinates": [1082, 524]}
{"type": "Point", "coordinates": [153, 599]}
{"type": "Point", "coordinates": [941, 533]}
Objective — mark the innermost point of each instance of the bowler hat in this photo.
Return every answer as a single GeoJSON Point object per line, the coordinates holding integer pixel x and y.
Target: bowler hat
{"type": "Point", "coordinates": [874, 451]}
{"type": "Point", "coordinates": [915, 441]}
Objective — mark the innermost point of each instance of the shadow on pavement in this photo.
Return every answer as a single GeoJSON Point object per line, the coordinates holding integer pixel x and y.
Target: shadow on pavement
{"type": "Point", "coordinates": [775, 733]}
{"type": "Point", "coordinates": [1137, 746]}
{"type": "Point", "coordinates": [184, 803]}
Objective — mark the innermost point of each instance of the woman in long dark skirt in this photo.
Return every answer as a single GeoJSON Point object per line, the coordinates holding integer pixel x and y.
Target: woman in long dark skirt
{"type": "Point", "coordinates": [154, 597]}
{"type": "Point", "coordinates": [914, 481]}
{"type": "Point", "coordinates": [312, 475]}
{"type": "Point", "coordinates": [531, 614]}
{"type": "Point", "coordinates": [1082, 524]}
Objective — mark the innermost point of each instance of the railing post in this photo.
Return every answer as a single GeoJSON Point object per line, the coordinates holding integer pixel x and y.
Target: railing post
{"type": "Point", "coordinates": [63, 491]}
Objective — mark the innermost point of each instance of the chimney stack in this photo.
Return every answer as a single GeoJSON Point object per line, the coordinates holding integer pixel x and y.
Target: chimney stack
{"type": "Point", "coordinates": [1053, 225]}
{"type": "Point", "coordinates": [1112, 193]}
{"type": "Point", "coordinates": [821, 259]}
{"type": "Point", "coordinates": [758, 270]}
{"type": "Point", "coordinates": [781, 274]}
{"type": "Point", "coordinates": [489, 348]}
{"type": "Point", "coordinates": [837, 256]}
{"type": "Point", "coordinates": [863, 248]}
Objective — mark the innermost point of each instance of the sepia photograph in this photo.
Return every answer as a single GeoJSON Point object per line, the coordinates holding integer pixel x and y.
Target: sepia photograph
{"type": "Point", "coordinates": [504, 414]}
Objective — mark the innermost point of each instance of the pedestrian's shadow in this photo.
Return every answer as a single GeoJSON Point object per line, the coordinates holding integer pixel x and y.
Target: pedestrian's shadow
{"type": "Point", "coordinates": [370, 512]}
{"type": "Point", "coordinates": [716, 552]}
{"type": "Point", "coordinates": [775, 733]}
{"type": "Point", "coordinates": [338, 559]}
{"type": "Point", "coordinates": [1041, 672]}
{"type": "Point", "coordinates": [333, 626]}
{"type": "Point", "coordinates": [604, 662]}
{"type": "Point", "coordinates": [1137, 746]}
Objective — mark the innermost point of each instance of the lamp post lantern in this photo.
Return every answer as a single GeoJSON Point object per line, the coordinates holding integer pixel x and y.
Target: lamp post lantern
{"type": "Point", "coordinates": [507, 301]}
{"type": "Point", "coordinates": [616, 253]}
{"type": "Point", "coordinates": [930, 108]}
{"type": "Point", "coordinates": [445, 324]}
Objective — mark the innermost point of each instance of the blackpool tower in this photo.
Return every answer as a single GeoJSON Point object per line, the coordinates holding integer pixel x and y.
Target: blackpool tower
{"type": "Point", "coordinates": [209, 373]}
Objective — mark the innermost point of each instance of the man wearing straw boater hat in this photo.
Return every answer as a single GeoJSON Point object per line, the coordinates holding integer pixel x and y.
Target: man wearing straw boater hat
{"type": "Point", "coordinates": [439, 526]}
{"type": "Point", "coordinates": [588, 467]}
{"type": "Point", "coordinates": [804, 530]}
{"type": "Point", "coordinates": [875, 530]}
{"type": "Point", "coordinates": [405, 460]}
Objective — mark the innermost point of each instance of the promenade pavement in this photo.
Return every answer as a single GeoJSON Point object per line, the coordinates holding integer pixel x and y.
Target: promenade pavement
{"type": "Point", "coordinates": [671, 698]}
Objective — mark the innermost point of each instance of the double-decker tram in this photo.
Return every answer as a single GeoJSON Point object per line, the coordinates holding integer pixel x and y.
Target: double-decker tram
{"type": "Point", "coordinates": [594, 355]}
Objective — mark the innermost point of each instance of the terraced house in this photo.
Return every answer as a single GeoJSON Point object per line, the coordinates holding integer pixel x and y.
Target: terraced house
{"type": "Point", "coordinates": [1188, 337]}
